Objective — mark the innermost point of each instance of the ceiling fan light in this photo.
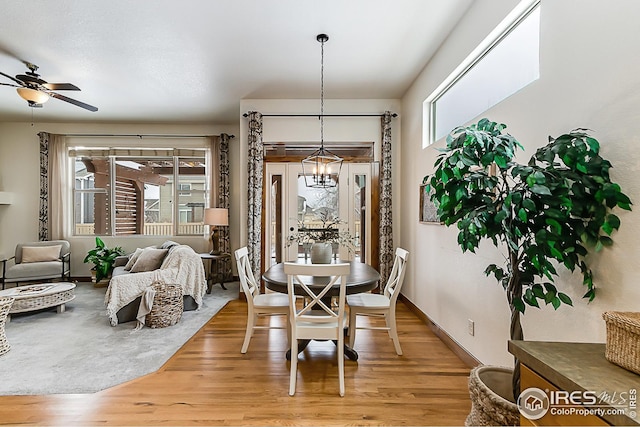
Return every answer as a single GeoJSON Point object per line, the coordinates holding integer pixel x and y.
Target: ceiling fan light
{"type": "Point", "coordinates": [32, 95]}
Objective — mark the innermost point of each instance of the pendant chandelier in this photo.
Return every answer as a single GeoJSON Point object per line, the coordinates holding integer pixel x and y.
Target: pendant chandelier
{"type": "Point", "coordinates": [322, 168]}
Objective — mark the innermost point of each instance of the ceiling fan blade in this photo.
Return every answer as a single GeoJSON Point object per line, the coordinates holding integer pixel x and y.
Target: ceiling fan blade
{"type": "Point", "coordinates": [9, 84]}
{"type": "Point", "coordinates": [73, 101]}
{"type": "Point", "coordinates": [61, 86]}
{"type": "Point", "coordinates": [26, 78]}
{"type": "Point", "coordinates": [12, 78]}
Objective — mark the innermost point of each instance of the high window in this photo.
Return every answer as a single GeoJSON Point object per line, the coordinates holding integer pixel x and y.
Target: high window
{"type": "Point", "coordinates": [505, 62]}
{"type": "Point", "coordinates": [143, 192]}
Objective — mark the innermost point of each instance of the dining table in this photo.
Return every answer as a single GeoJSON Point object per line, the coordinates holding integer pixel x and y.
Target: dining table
{"type": "Point", "coordinates": [362, 278]}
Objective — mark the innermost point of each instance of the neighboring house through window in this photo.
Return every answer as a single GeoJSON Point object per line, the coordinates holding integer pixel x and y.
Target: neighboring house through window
{"type": "Point", "coordinates": [184, 189]}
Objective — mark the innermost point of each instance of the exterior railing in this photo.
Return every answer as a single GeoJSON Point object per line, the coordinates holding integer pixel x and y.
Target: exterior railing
{"type": "Point", "coordinates": [152, 229]}
{"type": "Point", "coordinates": [84, 229]}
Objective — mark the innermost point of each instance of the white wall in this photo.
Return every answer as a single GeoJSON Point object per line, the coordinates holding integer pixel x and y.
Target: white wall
{"type": "Point", "coordinates": [19, 175]}
{"type": "Point", "coordinates": [589, 78]}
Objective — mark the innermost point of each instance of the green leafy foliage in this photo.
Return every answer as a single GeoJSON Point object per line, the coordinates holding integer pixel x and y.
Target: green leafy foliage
{"type": "Point", "coordinates": [103, 258]}
{"type": "Point", "coordinates": [546, 213]}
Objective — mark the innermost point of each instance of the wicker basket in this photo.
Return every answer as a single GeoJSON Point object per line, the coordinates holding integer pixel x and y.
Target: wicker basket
{"type": "Point", "coordinates": [167, 306]}
{"type": "Point", "coordinates": [5, 306]}
{"type": "Point", "coordinates": [623, 339]}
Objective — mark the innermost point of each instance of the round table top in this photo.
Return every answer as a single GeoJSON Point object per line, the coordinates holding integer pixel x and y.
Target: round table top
{"type": "Point", "coordinates": [362, 278]}
{"type": "Point", "coordinates": [36, 291]}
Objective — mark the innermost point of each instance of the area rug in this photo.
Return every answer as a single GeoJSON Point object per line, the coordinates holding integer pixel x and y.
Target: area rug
{"type": "Point", "coordinates": [79, 352]}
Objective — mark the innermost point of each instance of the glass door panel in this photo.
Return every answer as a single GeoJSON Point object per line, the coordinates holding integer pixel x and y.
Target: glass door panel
{"type": "Point", "coordinates": [359, 193]}
{"type": "Point", "coordinates": [306, 213]}
{"type": "Point", "coordinates": [317, 209]}
{"type": "Point", "coordinates": [275, 218]}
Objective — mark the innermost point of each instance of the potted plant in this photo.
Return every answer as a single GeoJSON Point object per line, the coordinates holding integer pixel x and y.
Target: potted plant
{"type": "Point", "coordinates": [102, 259]}
{"type": "Point", "coordinates": [543, 214]}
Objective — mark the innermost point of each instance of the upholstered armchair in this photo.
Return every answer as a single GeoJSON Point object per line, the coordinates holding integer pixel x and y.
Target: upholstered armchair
{"type": "Point", "coordinates": [36, 261]}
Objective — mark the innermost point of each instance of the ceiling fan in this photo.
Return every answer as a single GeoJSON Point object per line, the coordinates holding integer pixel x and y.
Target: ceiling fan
{"type": "Point", "coordinates": [36, 91]}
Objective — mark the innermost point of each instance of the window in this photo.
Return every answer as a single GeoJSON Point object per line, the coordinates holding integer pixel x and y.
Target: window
{"type": "Point", "coordinates": [184, 189]}
{"type": "Point", "coordinates": [138, 192]}
{"type": "Point", "coordinates": [505, 62]}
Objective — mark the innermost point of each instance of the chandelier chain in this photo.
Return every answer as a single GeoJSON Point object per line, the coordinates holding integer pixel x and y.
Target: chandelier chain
{"type": "Point", "coordinates": [321, 169]}
{"type": "Point", "coordinates": [322, 94]}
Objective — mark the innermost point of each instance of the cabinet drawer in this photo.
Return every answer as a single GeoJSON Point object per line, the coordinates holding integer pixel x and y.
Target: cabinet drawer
{"type": "Point", "coordinates": [528, 378]}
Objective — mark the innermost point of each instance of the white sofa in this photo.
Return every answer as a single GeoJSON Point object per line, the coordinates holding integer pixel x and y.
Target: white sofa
{"type": "Point", "coordinates": [181, 265]}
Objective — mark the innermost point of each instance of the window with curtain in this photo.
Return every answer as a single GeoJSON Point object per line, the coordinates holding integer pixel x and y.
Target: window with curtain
{"type": "Point", "coordinates": [139, 192]}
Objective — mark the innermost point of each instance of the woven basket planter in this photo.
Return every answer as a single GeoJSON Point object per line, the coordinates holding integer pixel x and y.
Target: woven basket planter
{"type": "Point", "coordinates": [167, 306]}
{"type": "Point", "coordinates": [487, 387]}
{"type": "Point", "coordinates": [623, 339]}
{"type": "Point", "coordinates": [5, 306]}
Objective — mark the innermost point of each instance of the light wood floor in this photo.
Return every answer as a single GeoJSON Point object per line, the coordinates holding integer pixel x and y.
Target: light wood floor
{"type": "Point", "coordinates": [208, 382]}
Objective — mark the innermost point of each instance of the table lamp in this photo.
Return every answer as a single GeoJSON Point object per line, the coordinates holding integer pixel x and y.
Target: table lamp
{"type": "Point", "coordinates": [216, 217]}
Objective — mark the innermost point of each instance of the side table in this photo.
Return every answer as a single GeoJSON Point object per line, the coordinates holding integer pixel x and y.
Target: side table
{"type": "Point", "coordinates": [219, 270]}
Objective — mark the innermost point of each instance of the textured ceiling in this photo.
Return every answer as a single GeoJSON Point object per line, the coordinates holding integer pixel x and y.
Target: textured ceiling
{"type": "Point", "coordinates": [194, 60]}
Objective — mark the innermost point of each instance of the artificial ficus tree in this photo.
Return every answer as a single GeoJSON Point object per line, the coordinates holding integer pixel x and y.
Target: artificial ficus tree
{"type": "Point", "coordinates": [545, 214]}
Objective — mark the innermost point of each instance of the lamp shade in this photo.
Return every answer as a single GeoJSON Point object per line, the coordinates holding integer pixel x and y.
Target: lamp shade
{"type": "Point", "coordinates": [216, 216]}
{"type": "Point", "coordinates": [35, 96]}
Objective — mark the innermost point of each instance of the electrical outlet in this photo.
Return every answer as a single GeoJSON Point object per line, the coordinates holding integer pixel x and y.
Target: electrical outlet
{"type": "Point", "coordinates": [470, 327]}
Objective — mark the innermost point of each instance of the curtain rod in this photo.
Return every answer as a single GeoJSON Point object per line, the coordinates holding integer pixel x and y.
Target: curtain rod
{"type": "Point", "coordinates": [324, 115]}
{"type": "Point", "coordinates": [141, 136]}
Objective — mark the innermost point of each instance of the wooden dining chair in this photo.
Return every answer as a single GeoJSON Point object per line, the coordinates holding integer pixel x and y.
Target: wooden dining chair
{"type": "Point", "coordinates": [258, 304]}
{"type": "Point", "coordinates": [380, 305]}
{"type": "Point", "coordinates": [317, 319]}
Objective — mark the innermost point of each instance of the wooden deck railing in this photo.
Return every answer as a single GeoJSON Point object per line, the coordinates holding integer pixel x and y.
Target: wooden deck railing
{"type": "Point", "coordinates": [152, 229]}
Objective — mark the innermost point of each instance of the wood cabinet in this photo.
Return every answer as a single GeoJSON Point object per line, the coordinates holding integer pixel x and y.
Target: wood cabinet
{"type": "Point", "coordinates": [528, 379]}
{"type": "Point", "coordinates": [582, 387]}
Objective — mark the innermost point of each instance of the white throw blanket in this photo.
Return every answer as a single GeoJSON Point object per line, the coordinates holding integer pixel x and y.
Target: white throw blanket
{"type": "Point", "coordinates": [146, 304]}
{"type": "Point", "coordinates": [182, 266]}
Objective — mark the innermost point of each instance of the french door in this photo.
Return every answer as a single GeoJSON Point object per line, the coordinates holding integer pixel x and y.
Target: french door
{"type": "Point", "coordinates": [290, 205]}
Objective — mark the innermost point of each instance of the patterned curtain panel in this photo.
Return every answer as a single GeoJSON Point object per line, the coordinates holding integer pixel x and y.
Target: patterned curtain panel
{"type": "Point", "coordinates": [255, 160]}
{"type": "Point", "coordinates": [223, 186]}
{"type": "Point", "coordinates": [386, 222]}
{"type": "Point", "coordinates": [52, 185]}
{"type": "Point", "coordinates": [43, 217]}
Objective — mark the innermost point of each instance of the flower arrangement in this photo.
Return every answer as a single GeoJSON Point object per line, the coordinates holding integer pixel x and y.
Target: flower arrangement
{"type": "Point", "coordinates": [327, 233]}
